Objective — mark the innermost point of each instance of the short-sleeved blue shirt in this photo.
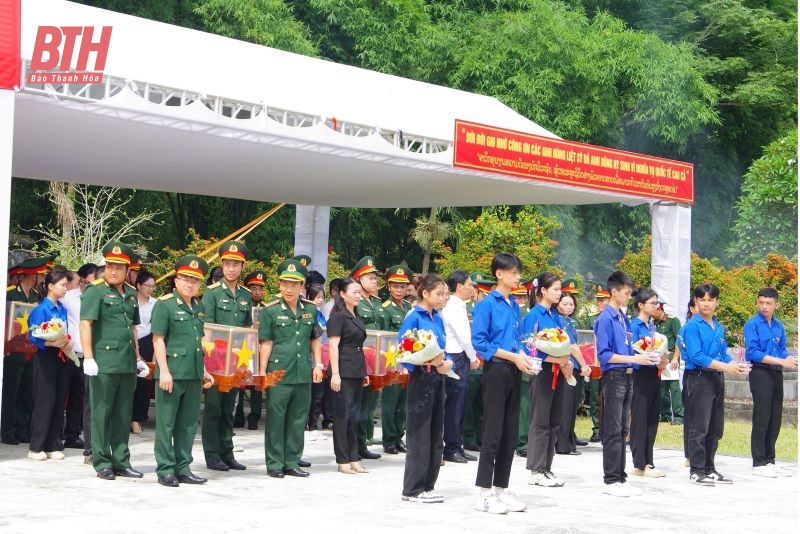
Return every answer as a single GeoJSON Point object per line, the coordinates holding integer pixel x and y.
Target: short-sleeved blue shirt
{"type": "Point", "coordinates": [613, 333]}
{"type": "Point", "coordinates": [495, 325]}
{"type": "Point", "coordinates": [422, 319]}
{"type": "Point", "coordinates": [704, 343]}
{"type": "Point", "coordinates": [763, 339]}
{"type": "Point", "coordinates": [43, 313]}
{"type": "Point", "coordinates": [540, 318]}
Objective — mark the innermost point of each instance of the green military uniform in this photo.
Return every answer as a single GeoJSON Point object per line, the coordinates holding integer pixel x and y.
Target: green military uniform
{"type": "Point", "coordinates": [524, 392]}
{"type": "Point", "coordinates": [371, 311]}
{"type": "Point", "coordinates": [671, 402]}
{"type": "Point", "coordinates": [291, 333]}
{"type": "Point", "coordinates": [181, 326]}
{"type": "Point", "coordinates": [17, 400]}
{"type": "Point", "coordinates": [256, 396]}
{"type": "Point", "coordinates": [113, 313]}
{"type": "Point", "coordinates": [229, 307]}
{"type": "Point", "coordinates": [393, 398]}
{"type": "Point", "coordinates": [473, 417]}
{"type": "Point", "coordinates": [594, 384]}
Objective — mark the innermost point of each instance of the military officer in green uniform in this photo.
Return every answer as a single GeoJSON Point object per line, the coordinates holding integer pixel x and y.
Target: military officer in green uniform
{"type": "Point", "coordinates": [108, 319]}
{"type": "Point", "coordinates": [289, 335]}
{"type": "Point", "coordinates": [671, 402]}
{"type": "Point", "coordinates": [520, 294]}
{"type": "Point", "coordinates": [17, 403]}
{"type": "Point", "coordinates": [602, 296]}
{"type": "Point", "coordinates": [177, 326]}
{"type": "Point", "coordinates": [473, 418]}
{"type": "Point", "coordinates": [371, 311]}
{"type": "Point", "coordinates": [393, 398]}
{"type": "Point", "coordinates": [226, 303]}
{"type": "Point", "coordinates": [255, 283]}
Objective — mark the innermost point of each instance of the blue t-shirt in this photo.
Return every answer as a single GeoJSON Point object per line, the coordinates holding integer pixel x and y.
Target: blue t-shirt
{"type": "Point", "coordinates": [540, 318]}
{"type": "Point", "coordinates": [704, 343]}
{"type": "Point", "coordinates": [763, 339]}
{"type": "Point", "coordinates": [613, 334]}
{"type": "Point", "coordinates": [422, 319]}
{"type": "Point", "coordinates": [641, 329]}
{"type": "Point", "coordinates": [570, 326]}
{"type": "Point", "coordinates": [495, 325]}
{"type": "Point", "coordinates": [43, 313]}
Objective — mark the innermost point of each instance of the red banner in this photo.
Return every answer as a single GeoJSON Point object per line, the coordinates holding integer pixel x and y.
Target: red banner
{"type": "Point", "coordinates": [10, 63]}
{"type": "Point", "coordinates": [486, 148]}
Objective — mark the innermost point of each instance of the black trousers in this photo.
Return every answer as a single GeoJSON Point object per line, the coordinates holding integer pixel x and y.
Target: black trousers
{"type": "Point", "coordinates": [256, 406]}
{"type": "Point", "coordinates": [617, 389]}
{"type": "Point", "coordinates": [705, 418]}
{"type": "Point", "coordinates": [766, 385]}
{"type": "Point", "coordinates": [346, 414]}
{"type": "Point", "coordinates": [544, 423]}
{"type": "Point", "coordinates": [49, 393]}
{"type": "Point", "coordinates": [501, 387]}
{"type": "Point", "coordinates": [571, 399]}
{"type": "Point", "coordinates": [424, 428]}
{"type": "Point", "coordinates": [455, 404]}
{"type": "Point", "coordinates": [73, 425]}
{"type": "Point", "coordinates": [144, 388]}
{"type": "Point", "coordinates": [645, 411]}
{"type": "Point", "coordinates": [87, 415]}
{"type": "Point", "coordinates": [317, 408]}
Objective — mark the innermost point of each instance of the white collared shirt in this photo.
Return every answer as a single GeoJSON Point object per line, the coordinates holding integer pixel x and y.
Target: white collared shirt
{"type": "Point", "coordinates": [458, 333]}
{"type": "Point", "coordinates": [72, 302]}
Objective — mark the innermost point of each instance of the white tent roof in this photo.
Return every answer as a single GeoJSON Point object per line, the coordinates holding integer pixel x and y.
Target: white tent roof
{"type": "Point", "coordinates": [123, 133]}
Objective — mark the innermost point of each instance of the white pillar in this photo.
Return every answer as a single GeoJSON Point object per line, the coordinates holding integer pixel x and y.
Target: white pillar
{"type": "Point", "coordinates": [311, 232]}
{"type": "Point", "coordinates": [6, 153]}
{"type": "Point", "coordinates": [671, 258]}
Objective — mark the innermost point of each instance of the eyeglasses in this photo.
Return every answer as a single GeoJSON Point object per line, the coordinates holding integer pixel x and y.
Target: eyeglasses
{"type": "Point", "coordinates": [653, 303]}
{"type": "Point", "coordinates": [148, 286]}
{"type": "Point", "coordinates": [188, 279]}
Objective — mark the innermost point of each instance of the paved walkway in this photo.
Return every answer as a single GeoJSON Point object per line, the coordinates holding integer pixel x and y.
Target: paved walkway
{"type": "Point", "coordinates": [66, 497]}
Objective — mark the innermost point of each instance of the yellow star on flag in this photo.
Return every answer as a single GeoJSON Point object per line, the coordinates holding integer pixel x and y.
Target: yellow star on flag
{"type": "Point", "coordinates": [23, 322]}
{"type": "Point", "coordinates": [390, 356]}
{"type": "Point", "coordinates": [208, 346]}
{"type": "Point", "coordinates": [244, 353]}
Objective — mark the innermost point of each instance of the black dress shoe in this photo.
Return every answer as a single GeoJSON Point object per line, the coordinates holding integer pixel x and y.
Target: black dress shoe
{"type": "Point", "coordinates": [238, 424]}
{"type": "Point", "coordinates": [191, 478]}
{"type": "Point", "coordinates": [218, 465]}
{"type": "Point", "coordinates": [401, 447]}
{"type": "Point", "coordinates": [128, 472]}
{"type": "Point", "coordinates": [523, 453]}
{"type": "Point", "coordinates": [74, 444]}
{"type": "Point", "coordinates": [275, 473]}
{"type": "Point", "coordinates": [13, 441]}
{"type": "Point", "coordinates": [24, 439]}
{"type": "Point", "coordinates": [472, 447]}
{"type": "Point", "coordinates": [469, 457]}
{"type": "Point", "coordinates": [581, 442]}
{"type": "Point", "coordinates": [252, 426]}
{"type": "Point", "coordinates": [170, 481]}
{"type": "Point", "coordinates": [390, 449]}
{"type": "Point", "coordinates": [303, 463]}
{"type": "Point", "coordinates": [366, 454]}
{"type": "Point", "coordinates": [569, 453]}
{"type": "Point", "coordinates": [296, 473]}
{"type": "Point", "coordinates": [455, 458]}
{"type": "Point", "coordinates": [106, 474]}
{"type": "Point", "coordinates": [233, 464]}
{"type": "Point", "coordinates": [595, 437]}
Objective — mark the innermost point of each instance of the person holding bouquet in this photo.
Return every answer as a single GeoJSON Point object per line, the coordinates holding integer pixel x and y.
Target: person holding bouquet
{"type": "Point", "coordinates": [49, 371]}
{"type": "Point", "coordinates": [646, 399]}
{"type": "Point", "coordinates": [547, 387]}
{"type": "Point", "coordinates": [425, 405]}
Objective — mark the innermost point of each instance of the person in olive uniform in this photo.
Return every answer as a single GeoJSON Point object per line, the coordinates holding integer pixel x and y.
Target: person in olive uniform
{"type": "Point", "coordinates": [371, 311]}
{"type": "Point", "coordinates": [520, 294]}
{"type": "Point", "coordinates": [473, 418]}
{"type": "Point", "coordinates": [177, 327]}
{"type": "Point", "coordinates": [109, 315]}
{"type": "Point", "coordinates": [254, 282]}
{"type": "Point", "coordinates": [671, 403]}
{"type": "Point", "coordinates": [226, 303]}
{"type": "Point", "coordinates": [17, 403]}
{"type": "Point", "coordinates": [287, 333]}
{"type": "Point", "coordinates": [393, 398]}
{"type": "Point", "coordinates": [602, 296]}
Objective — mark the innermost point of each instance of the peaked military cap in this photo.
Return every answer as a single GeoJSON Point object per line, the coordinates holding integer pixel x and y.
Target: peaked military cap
{"type": "Point", "coordinates": [601, 292]}
{"type": "Point", "coordinates": [570, 285]}
{"type": "Point", "coordinates": [258, 278]}
{"type": "Point", "coordinates": [292, 270]}
{"type": "Point", "coordinates": [364, 266]}
{"type": "Point", "coordinates": [523, 288]}
{"type": "Point", "coordinates": [233, 250]}
{"type": "Point", "coordinates": [32, 266]}
{"type": "Point", "coordinates": [398, 274]}
{"type": "Point", "coordinates": [191, 265]}
{"type": "Point", "coordinates": [302, 258]}
{"type": "Point", "coordinates": [118, 252]}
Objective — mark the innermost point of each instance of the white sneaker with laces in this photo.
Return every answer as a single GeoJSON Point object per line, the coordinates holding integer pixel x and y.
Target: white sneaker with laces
{"type": "Point", "coordinates": [719, 478]}
{"type": "Point", "coordinates": [652, 472]}
{"type": "Point", "coordinates": [547, 480]}
{"type": "Point", "coordinates": [780, 471]}
{"type": "Point", "coordinates": [510, 500]}
{"type": "Point", "coordinates": [435, 496]}
{"type": "Point", "coordinates": [490, 504]}
{"type": "Point", "coordinates": [701, 480]}
{"type": "Point", "coordinates": [425, 498]}
{"type": "Point", "coordinates": [765, 471]}
{"type": "Point", "coordinates": [55, 455]}
{"type": "Point", "coordinates": [617, 489]}
{"type": "Point", "coordinates": [633, 491]}
{"type": "Point", "coordinates": [38, 456]}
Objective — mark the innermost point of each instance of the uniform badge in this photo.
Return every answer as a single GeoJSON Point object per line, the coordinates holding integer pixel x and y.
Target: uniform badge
{"type": "Point", "coordinates": [243, 302]}
{"type": "Point", "coordinates": [194, 264]}
{"type": "Point", "coordinates": [369, 262]}
{"type": "Point", "coordinates": [282, 318]}
{"type": "Point", "coordinates": [400, 271]}
{"type": "Point", "coordinates": [233, 248]}
{"type": "Point", "coordinates": [291, 268]}
{"type": "Point", "coordinates": [116, 250]}
{"type": "Point", "coordinates": [306, 316]}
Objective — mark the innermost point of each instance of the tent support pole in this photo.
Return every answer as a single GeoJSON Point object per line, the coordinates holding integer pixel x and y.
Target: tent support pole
{"type": "Point", "coordinates": [311, 233]}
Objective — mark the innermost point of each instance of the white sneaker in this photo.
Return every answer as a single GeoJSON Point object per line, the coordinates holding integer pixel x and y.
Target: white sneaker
{"type": "Point", "coordinates": [652, 472]}
{"type": "Point", "coordinates": [779, 471]}
{"type": "Point", "coordinates": [55, 455]}
{"type": "Point", "coordinates": [436, 496]}
{"type": "Point", "coordinates": [237, 448]}
{"type": "Point", "coordinates": [765, 471]}
{"type": "Point", "coordinates": [426, 497]}
{"type": "Point", "coordinates": [547, 480]}
{"type": "Point", "coordinates": [633, 491]}
{"type": "Point", "coordinates": [318, 436]}
{"type": "Point", "coordinates": [38, 456]}
{"type": "Point", "coordinates": [719, 478]}
{"type": "Point", "coordinates": [310, 436]}
{"type": "Point", "coordinates": [490, 504]}
{"type": "Point", "coordinates": [510, 500]}
{"type": "Point", "coordinates": [686, 463]}
{"type": "Point", "coordinates": [617, 489]}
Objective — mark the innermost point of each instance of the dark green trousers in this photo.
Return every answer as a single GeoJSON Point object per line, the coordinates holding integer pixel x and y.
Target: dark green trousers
{"type": "Point", "coordinates": [256, 406]}
{"type": "Point", "coordinates": [594, 405]}
{"type": "Point", "coordinates": [111, 397]}
{"type": "Point", "coordinates": [287, 414]}
{"type": "Point", "coordinates": [366, 427]}
{"type": "Point", "coordinates": [671, 401]}
{"type": "Point", "coordinates": [17, 403]}
{"type": "Point", "coordinates": [524, 413]}
{"type": "Point", "coordinates": [218, 424]}
{"type": "Point", "coordinates": [393, 414]}
{"type": "Point", "coordinates": [473, 418]}
{"type": "Point", "coordinates": [176, 426]}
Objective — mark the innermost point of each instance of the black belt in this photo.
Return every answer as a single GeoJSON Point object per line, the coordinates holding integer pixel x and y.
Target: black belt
{"type": "Point", "coordinates": [503, 361]}
{"type": "Point", "coordinates": [619, 371]}
{"type": "Point", "coordinates": [698, 372]}
{"type": "Point", "coordinates": [778, 368]}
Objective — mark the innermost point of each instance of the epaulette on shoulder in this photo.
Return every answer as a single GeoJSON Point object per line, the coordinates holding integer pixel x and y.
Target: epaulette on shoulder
{"type": "Point", "coordinates": [307, 301]}
{"type": "Point", "coordinates": [130, 286]}
{"type": "Point", "coordinates": [11, 288]}
{"type": "Point", "coordinates": [670, 317]}
{"type": "Point", "coordinates": [387, 303]}
{"type": "Point", "coordinates": [98, 281]}
{"type": "Point", "coordinates": [593, 314]}
{"type": "Point", "coordinates": [214, 285]}
{"type": "Point", "coordinates": [243, 287]}
{"type": "Point", "coordinates": [271, 303]}
{"type": "Point", "coordinates": [167, 296]}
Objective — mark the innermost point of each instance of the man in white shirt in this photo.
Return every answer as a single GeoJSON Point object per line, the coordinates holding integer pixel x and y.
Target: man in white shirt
{"type": "Point", "coordinates": [458, 346]}
{"type": "Point", "coordinates": [75, 380]}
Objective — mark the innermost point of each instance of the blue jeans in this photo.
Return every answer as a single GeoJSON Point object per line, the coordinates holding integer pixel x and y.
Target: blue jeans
{"type": "Point", "coordinates": [617, 394]}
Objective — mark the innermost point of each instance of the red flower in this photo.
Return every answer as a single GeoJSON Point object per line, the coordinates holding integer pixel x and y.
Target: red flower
{"type": "Point", "coordinates": [408, 344]}
{"type": "Point", "coordinates": [45, 326]}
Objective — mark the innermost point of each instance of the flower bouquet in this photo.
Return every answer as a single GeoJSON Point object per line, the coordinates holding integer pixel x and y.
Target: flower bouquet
{"type": "Point", "coordinates": [419, 347]}
{"type": "Point", "coordinates": [656, 343]}
{"type": "Point", "coordinates": [552, 341]}
{"type": "Point", "coordinates": [54, 329]}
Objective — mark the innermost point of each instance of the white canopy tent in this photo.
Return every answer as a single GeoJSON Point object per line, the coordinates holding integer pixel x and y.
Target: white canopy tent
{"type": "Point", "coordinates": [182, 110]}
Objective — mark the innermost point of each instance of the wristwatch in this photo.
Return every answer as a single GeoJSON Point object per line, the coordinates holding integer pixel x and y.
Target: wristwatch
{"type": "Point", "coordinates": [320, 366]}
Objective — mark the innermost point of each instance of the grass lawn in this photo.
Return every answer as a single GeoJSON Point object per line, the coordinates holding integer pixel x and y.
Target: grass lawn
{"type": "Point", "coordinates": [735, 440]}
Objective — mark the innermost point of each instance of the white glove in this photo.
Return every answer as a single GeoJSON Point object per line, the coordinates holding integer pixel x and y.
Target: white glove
{"type": "Point", "coordinates": [142, 370]}
{"type": "Point", "coordinates": [90, 367]}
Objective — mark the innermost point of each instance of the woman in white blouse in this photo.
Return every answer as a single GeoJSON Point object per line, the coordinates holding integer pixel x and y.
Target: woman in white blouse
{"type": "Point", "coordinates": [145, 283]}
